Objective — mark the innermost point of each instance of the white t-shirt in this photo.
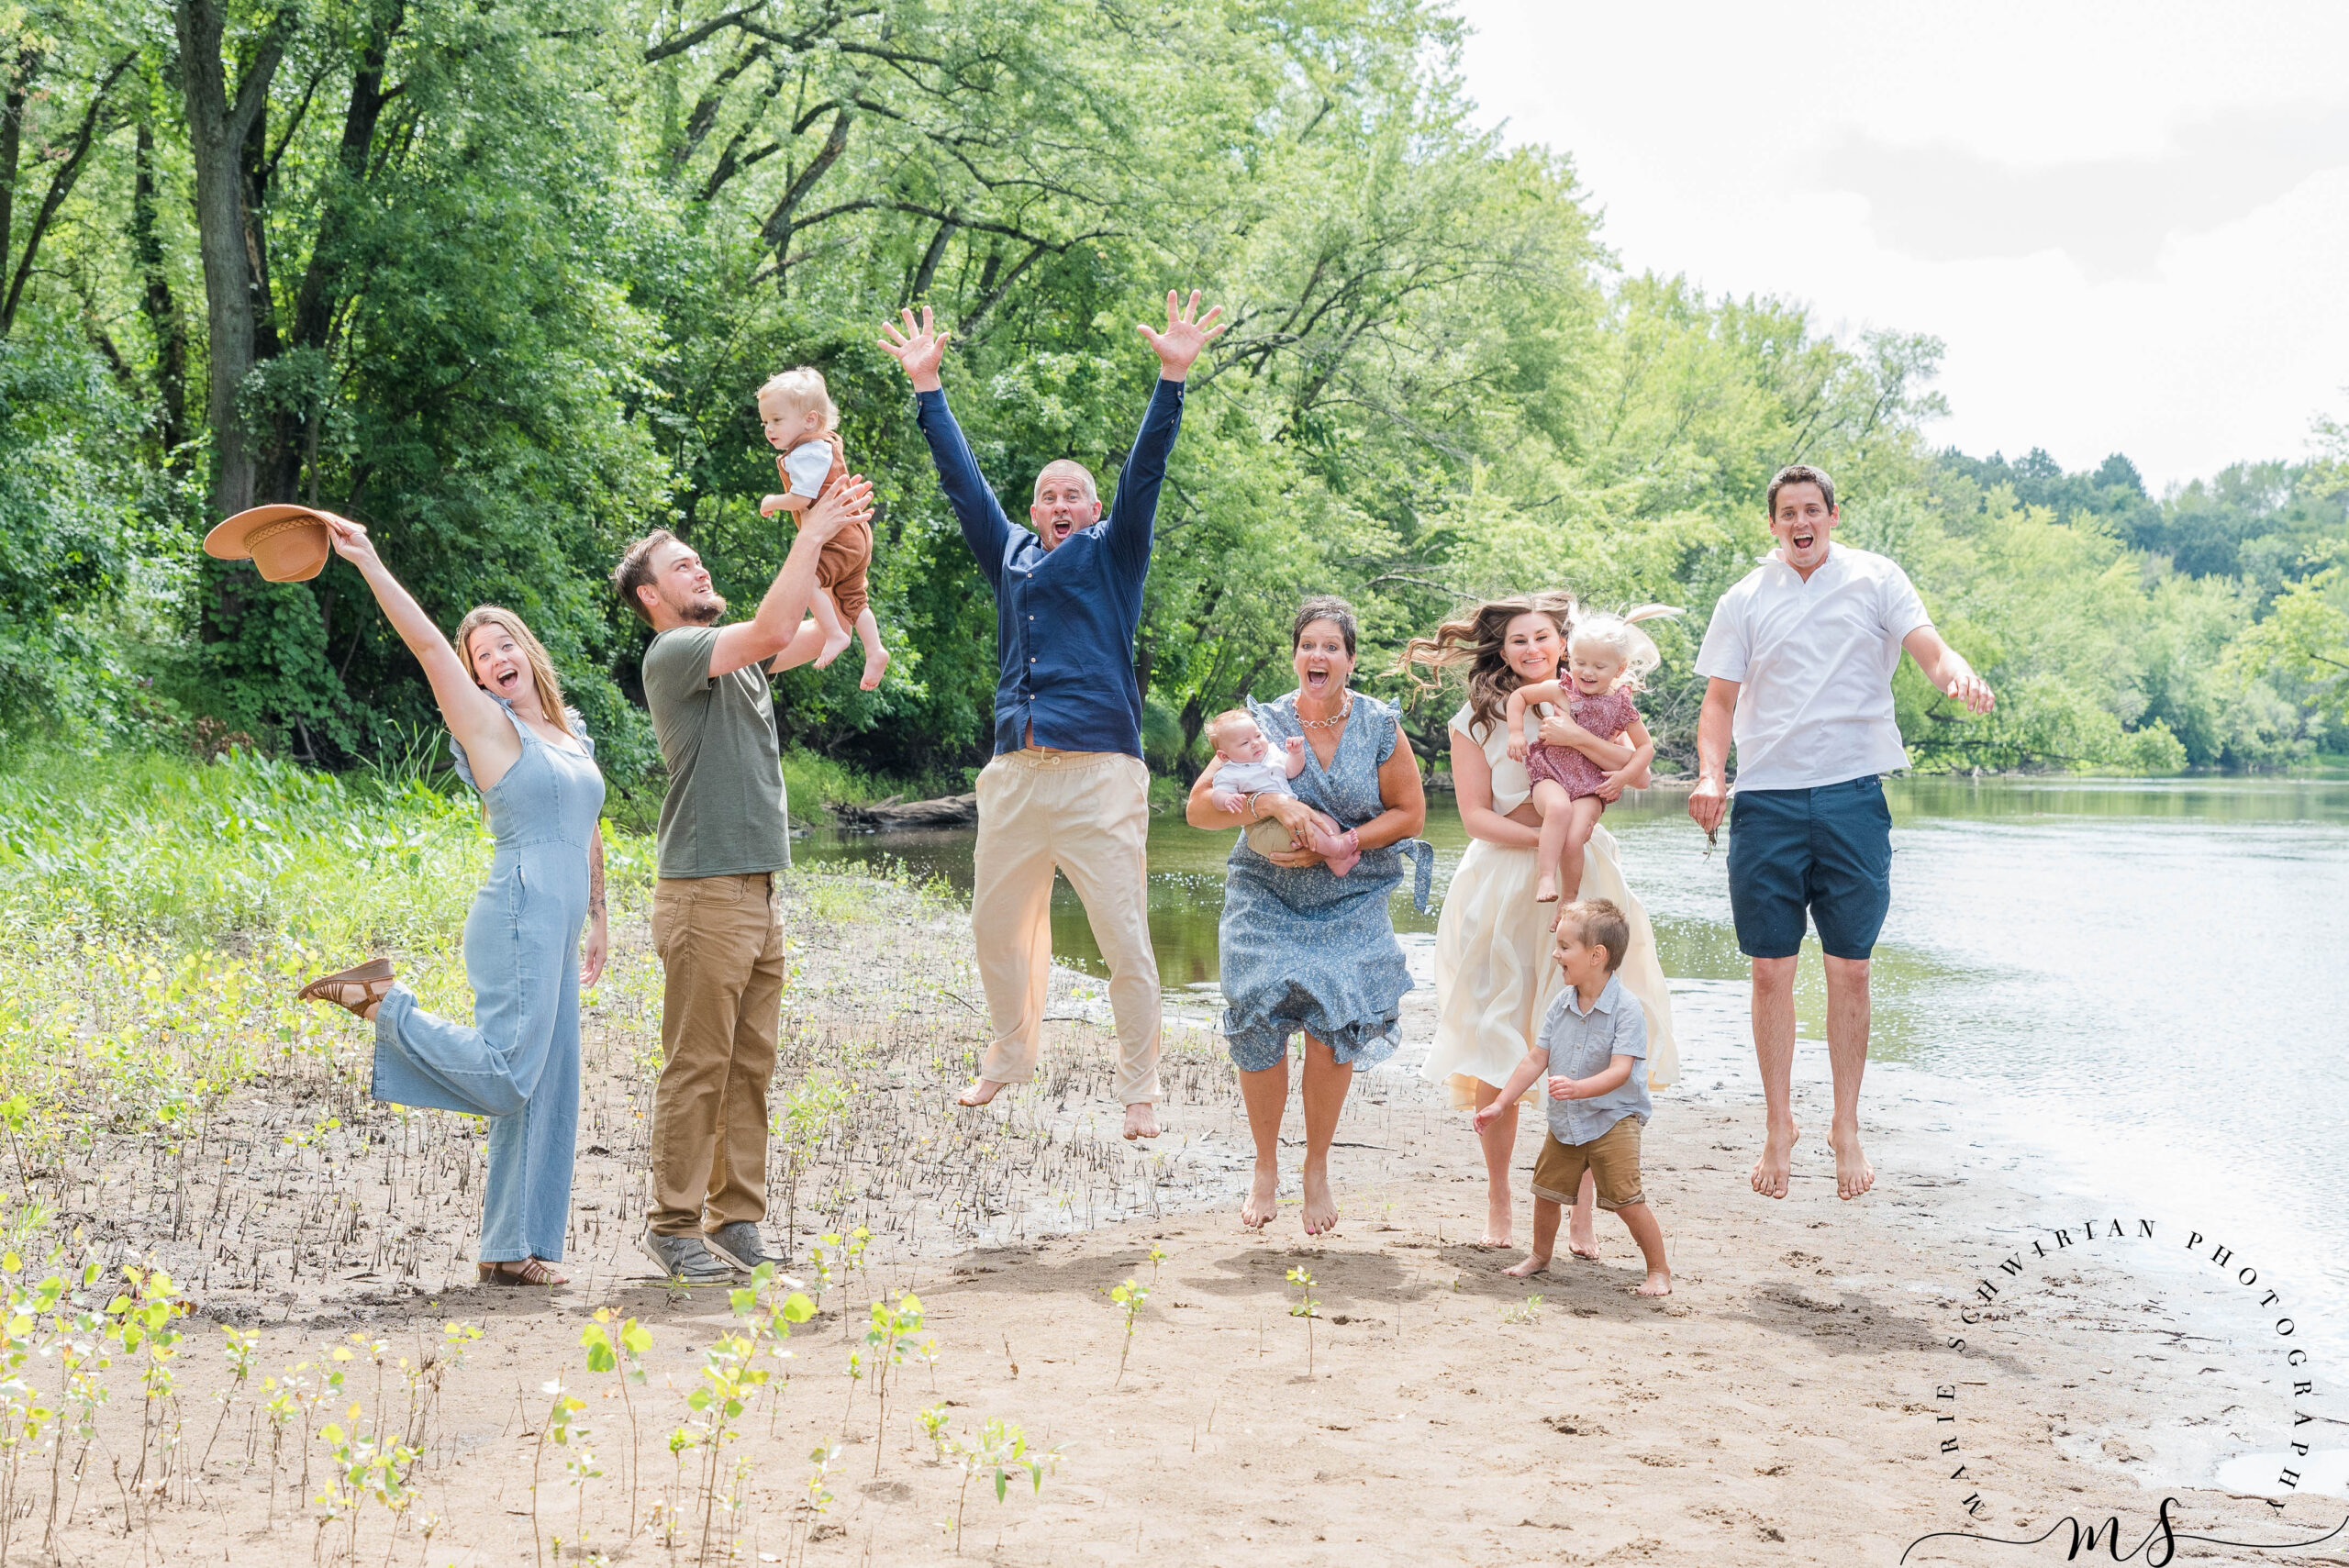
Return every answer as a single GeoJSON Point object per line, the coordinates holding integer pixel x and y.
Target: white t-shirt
{"type": "Point", "coordinates": [1813, 661]}
{"type": "Point", "coordinates": [807, 463]}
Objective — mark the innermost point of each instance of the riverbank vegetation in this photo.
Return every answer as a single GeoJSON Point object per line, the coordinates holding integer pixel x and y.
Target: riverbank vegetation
{"type": "Point", "coordinates": [500, 280]}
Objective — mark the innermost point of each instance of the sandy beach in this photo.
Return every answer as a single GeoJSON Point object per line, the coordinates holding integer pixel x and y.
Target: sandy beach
{"type": "Point", "coordinates": [1796, 1399]}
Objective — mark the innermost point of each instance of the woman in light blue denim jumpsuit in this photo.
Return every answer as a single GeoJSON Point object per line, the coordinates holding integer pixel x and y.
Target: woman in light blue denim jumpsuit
{"type": "Point", "coordinates": [517, 1062]}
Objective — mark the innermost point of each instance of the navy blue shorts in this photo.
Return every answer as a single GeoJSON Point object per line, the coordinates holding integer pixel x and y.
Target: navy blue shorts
{"type": "Point", "coordinates": [1825, 851]}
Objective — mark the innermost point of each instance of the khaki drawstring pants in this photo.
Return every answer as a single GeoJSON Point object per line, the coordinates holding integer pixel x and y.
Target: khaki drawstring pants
{"type": "Point", "coordinates": [1086, 813]}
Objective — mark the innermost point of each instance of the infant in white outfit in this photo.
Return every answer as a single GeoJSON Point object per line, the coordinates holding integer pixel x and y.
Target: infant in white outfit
{"type": "Point", "coordinates": [1243, 767]}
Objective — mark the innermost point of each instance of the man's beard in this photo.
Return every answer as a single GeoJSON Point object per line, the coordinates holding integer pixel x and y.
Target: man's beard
{"type": "Point", "coordinates": [702, 612]}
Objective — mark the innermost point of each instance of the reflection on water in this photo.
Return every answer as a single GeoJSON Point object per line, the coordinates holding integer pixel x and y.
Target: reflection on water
{"type": "Point", "coordinates": [2150, 973]}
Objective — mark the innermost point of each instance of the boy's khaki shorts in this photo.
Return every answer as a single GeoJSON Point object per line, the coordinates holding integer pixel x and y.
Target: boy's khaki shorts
{"type": "Point", "coordinates": [1613, 1157]}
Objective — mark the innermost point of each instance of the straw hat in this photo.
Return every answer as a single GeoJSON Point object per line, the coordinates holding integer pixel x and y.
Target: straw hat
{"type": "Point", "coordinates": [287, 543]}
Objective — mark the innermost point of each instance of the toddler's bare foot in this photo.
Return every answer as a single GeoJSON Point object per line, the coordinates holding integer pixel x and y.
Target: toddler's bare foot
{"type": "Point", "coordinates": [1320, 1204]}
{"type": "Point", "coordinates": [1546, 891]}
{"type": "Point", "coordinates": [1659, 1283]}
{"type": "Point", "coordinates": [1853, 1174]}
{"type": "Point", "coordinates": [876, 663]}
{"type": "Point", "coordinates": [1263, 1199]}
{"type": "Point", "coordinates": [981, 1091]}
{"type": "Point", "coordinates": [1770, 1171]}
{"type": "Point", "coordinates": [1142, 1120]}
{"type": "Point", "coordinates": [1581, 1232]}
{"type": "Point", "coordinates": [835, 644]}
{"type": "Point", "coordinates": [1534, 1265]}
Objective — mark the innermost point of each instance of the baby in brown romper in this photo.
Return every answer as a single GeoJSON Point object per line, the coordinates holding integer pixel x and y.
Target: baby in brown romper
{"type": "Point", "coordinates": [801, 423]}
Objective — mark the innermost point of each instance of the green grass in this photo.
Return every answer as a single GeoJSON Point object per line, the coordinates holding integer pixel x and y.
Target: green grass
{"type": "Point", "coordinates": [158, 913]}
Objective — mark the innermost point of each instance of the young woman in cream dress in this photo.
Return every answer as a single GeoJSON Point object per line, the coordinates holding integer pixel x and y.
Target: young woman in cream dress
{"type": "Point", "coordinates": [1493, 974]}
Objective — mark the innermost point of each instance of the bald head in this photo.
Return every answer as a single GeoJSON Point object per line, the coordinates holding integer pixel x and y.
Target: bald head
{"type": "Point", "coordinates": [1066, 502]}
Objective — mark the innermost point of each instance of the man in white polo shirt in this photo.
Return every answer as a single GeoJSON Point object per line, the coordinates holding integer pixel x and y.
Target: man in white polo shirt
{"type": "Point", "coordinates": [1801, 651]}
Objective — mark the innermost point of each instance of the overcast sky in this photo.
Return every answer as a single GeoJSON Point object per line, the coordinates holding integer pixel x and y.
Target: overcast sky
{"type": "Point", "coordinates": [2128, 223]}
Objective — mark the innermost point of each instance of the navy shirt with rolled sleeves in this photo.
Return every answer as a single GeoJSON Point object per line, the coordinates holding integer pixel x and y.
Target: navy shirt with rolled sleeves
{"type": "Point", "coordinates": [1065, 618]}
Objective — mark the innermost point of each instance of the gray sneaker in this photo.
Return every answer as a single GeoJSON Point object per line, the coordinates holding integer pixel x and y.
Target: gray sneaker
{"type": "Point", "coordinates": [684, 1259]}
{"type": "Point", "coordinates": [740, 1243]}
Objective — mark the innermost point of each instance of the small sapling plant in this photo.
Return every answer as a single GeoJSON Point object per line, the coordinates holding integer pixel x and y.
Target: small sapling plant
{"type": "Point", "coordinates": [1128, 1298]}
{"type": "Point", "coordinates": [1000, 1448]}
{"type": "Point", "coordinates": [1307, 1307]}
{"type": "Point", "coordinates": [1526, 1311]}
{"type": "Point", "coordinates": [890, 1336]}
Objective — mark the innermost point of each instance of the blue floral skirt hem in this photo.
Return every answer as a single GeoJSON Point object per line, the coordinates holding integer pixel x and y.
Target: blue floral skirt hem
{"type": "Point", "coordinates": [1262, 1042]}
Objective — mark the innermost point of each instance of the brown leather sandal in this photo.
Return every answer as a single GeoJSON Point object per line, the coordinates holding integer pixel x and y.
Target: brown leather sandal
{"type": "Point", "coordinates": [527, 1270]}
{"type": "Point", "coordinates": [354, 990]}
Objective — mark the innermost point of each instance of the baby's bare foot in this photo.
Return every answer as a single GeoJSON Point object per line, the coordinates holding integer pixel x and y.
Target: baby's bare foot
{"type": "Point", "coordinates": [876, 665]}
{"type": "Point", "coordinates": [1534, 1265]}
{"type": "Point", "coordinates": [1263, 1199]}
{"type": "Point", "coordinates": [981, 1091]}
{"type": "Point", "coordinates": [834, 646]}
{"type": "Point", "coordinates": [1546, 890]}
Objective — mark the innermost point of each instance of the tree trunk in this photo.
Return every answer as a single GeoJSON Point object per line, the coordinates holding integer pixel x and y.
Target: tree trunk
{"type": "Point", "coordinates": [162, 310]}
{"type": "Point", "coordinates": [218, 126]}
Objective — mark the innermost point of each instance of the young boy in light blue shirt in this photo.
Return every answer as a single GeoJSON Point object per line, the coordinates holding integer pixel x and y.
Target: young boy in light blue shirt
{"type": "Point", "coordinates": [1592, 1043]}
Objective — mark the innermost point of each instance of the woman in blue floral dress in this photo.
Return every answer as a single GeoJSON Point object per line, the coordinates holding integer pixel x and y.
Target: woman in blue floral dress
{"type": "Point", "coordinates": [1304, 951]}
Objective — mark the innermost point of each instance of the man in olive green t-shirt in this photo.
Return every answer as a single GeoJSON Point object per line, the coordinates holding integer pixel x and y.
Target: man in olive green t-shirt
{"type": "Point", "coordinates": [725, 830]}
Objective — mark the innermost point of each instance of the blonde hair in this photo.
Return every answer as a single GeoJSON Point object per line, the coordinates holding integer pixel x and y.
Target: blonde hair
{"type": "Point", "coordinates": [1621, 636]}
{"type": "Point", "coordinates": [542, 675]}
{"type": "Point", "coordinates": [1217, 725]}
{"type": "Point", "coordinates": [801, 389]}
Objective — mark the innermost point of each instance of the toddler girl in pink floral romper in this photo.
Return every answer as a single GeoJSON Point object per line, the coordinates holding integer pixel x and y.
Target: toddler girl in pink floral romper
{"type": "Point", "coordinates": [1606, 657]}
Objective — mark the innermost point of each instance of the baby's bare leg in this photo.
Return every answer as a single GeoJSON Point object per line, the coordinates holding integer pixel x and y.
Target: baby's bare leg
{"type": "Point", "coordinates": [1549, 799]}
{"type": "Point", "coordinates": [1576, 820]}
{"type": "Point", "coordinates": [877, 657]}
{"type": "Point", "coordinates": [826, 612]}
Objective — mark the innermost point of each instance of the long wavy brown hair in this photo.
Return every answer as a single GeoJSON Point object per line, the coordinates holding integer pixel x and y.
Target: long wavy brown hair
{"type": "Point", "coordinates": [1473, 644]}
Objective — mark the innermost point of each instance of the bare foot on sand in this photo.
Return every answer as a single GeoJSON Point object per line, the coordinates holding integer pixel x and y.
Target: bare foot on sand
{"type": "Point", "coordinates": [981, 1091]}
{"type": "Point", "coordinates": [1770, 1171]}
{"type": "Point", "coordinates": [1142, 1120]}
{"type": "Point", "coordinates": [1582, 1233]}
{"type": "Point", "coordinates": [1659, 1283]}
{"type": "Point", "coordinates": [1320, 1204]}
{"type": "Point", "coordinates": [1263, 1199]}
{"type": "Point", "coordinates": [1498, 1221]}
{"type": "Point", "coordinates": [1535, 1263]}
{"type": "Point", "coordinates": [1853, 1174]}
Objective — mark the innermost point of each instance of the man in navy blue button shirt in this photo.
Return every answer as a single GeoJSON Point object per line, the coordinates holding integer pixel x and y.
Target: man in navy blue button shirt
{"type": "Point", "coordinates": [1067, 787]}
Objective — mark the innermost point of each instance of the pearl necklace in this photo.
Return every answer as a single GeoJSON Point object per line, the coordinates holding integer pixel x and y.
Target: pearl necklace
{"type": "Point", "coordinates": [1334, 721]}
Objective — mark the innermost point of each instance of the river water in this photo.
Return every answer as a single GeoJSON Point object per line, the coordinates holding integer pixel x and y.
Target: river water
{"type": "Point", "coordinates": [2141, 984]}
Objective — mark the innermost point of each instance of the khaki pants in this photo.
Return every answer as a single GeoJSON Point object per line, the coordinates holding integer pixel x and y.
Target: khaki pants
{"type": "Point", "coordinates": [720, 942]}
{"type": "Point", "coordinates": [1088, 813]}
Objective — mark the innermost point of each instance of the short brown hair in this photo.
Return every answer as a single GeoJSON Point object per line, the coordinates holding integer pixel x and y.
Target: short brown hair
{"type": "Point", "coordinates": [635, 570]}
{"type": "Point", "coordinates": [1323, 606]}
{"type": "Point", "coordinates": [1596, 922]}
{"type": "Point", "coordinates": [1799, 473]}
